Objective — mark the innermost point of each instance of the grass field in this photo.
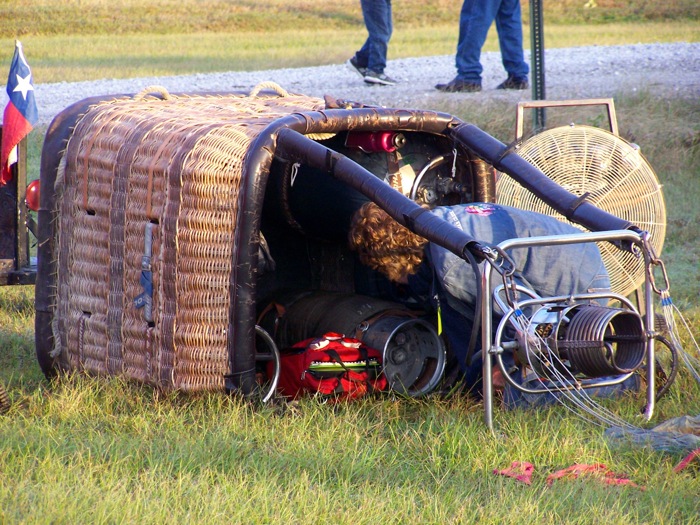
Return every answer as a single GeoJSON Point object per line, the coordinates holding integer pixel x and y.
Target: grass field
{"type": "Point", "coordinates": [92, 39]}
{"type": "Point", "coordinates": [88, 450]}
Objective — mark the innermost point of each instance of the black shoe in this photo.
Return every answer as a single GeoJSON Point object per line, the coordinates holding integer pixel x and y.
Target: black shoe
{"type": "Point", "coordinates": [456, 85]}
{"type": "Point", "coordinates": [355, 67]}
{"type": "Point", "coordinates": [372, 77]}
{"type": "Point", "coordinates": [514, 83]}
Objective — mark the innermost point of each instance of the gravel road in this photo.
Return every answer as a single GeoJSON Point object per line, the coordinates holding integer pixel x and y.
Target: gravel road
{"type": "Point", "coordinates": [579, 72]}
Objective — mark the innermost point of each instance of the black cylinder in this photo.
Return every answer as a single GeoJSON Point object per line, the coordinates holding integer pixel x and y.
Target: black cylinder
{"type": "Point", "coordinates": [603, 341]}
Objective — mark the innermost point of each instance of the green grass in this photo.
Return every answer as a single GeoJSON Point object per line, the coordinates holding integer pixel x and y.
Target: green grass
{"type": "Point", "coordinates": [33, 17]}
{"type": "Point", "coordinates": [107, 452]}
{"type": "Point", "coordinates": [56, 58]}
{"type": "Point", "coordinates": [102, 451]}
{"type": "Point", "coordinates": [88, 450]}
{"type": "Point", "coordinates": [94, 39]}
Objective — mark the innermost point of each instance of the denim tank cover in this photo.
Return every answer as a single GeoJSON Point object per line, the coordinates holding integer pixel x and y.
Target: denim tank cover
{"type": "Point", "coordinates": [547, 270]}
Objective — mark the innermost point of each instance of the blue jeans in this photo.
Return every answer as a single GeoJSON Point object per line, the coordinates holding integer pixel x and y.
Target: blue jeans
{"type": "Point", "coordinates": [547, 270]}
{"type": "Point", "coordinates": [475, 20]}
{"type": "Point", "coordinates": [378, 20]}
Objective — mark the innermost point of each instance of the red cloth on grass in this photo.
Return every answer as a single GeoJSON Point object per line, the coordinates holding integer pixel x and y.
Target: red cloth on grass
{"type": "Point", "coordinates": [520, 470]}
{"type": "Point", "coordinates": [686, 461]}
{"type": "Point", "coordinates": [597, 470]}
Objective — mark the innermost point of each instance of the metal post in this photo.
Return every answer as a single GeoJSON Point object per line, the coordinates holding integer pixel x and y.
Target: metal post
{"type": "Point", "coordinates": [537, 61]}
{"type": "Point", "coordinates": [22, 239]}
{"type": "Point", "coordinates": [486, 344]}
{"type": "Point", "coordinates": [14, 237]}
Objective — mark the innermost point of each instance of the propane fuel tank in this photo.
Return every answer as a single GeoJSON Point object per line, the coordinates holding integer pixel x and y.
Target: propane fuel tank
{"type": "Point", "coordinates": [413, 353]}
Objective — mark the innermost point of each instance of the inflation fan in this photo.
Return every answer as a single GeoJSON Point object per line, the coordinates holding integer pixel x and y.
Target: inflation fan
{"type": "Point", "coordinates": [612, 174]}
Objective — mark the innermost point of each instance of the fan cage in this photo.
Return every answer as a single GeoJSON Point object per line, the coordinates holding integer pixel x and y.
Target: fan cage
{"type": "Point", "coordinates": [614, 176]}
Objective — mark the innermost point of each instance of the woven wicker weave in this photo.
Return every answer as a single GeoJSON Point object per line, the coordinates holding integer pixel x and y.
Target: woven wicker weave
{"type": "Point", "coordinates": [174, 162]}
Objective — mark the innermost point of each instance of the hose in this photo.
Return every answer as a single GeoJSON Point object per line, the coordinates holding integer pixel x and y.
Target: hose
{"type": "Point", "coordinates": [671, 377]}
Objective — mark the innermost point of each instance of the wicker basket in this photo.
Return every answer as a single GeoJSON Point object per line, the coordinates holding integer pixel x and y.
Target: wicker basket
{"type": "Point", "coordinates": [151, 216]}
{"type": "Point", "coordinates": [155, 175]}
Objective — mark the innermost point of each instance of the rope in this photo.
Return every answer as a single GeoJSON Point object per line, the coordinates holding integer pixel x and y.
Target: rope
{"type": "Point", "coordinates": [150, 90]}
{"type": "Point", "coordinates": [269, 85]}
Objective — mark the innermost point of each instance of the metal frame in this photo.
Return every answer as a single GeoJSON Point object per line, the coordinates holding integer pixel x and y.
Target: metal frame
{"type": "Point", "coordinates": [15, 224]}
{"type": "Point", "coordinates": [493, 349]}
{"type": "Point", "coordinates": [607, 102]}
{"type": "Point", "coordinates": [537, 60]}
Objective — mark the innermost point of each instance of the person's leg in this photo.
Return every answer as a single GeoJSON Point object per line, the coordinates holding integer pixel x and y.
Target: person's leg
{"type": "Point", "coordinates": [475, 19]}
{"type": "Point", "coordinates": [458, 330]}
{"type": "Point", "coordinates": [358, 62]}
{"type": "Point", "coordinates": [377, 16]}
{"type": "Point", "coordinates": [510, 39]}
{"type": "Point", "coordinates": [361, 57]}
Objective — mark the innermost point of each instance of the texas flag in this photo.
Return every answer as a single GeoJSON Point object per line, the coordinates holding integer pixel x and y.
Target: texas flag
{"type": "Point", "coordinates": [20, 113]}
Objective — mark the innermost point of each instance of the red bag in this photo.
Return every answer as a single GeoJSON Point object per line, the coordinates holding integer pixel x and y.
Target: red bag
{"type": "Point", "coordinates": [333, 365]}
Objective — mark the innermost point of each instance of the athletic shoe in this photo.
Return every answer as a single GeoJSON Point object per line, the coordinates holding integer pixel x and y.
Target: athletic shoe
{"type": "Point", "coordinates": [514, 83]}
{"type": "Point", "coordinates": [355, 67]}
{"type": "Point", "coordinates": [456, 85]}
{"type": "Point", "coordinates": [372, 77]}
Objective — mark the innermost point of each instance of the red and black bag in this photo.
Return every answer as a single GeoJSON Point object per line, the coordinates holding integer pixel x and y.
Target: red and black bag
{"type": "Point", "coordinates": [333, 365]}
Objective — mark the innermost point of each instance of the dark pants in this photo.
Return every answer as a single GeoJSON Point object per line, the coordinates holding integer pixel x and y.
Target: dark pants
{"type": "Point", "coordinates": [378, 20]}
{"type": "Point", "coordinates": [475, 20]}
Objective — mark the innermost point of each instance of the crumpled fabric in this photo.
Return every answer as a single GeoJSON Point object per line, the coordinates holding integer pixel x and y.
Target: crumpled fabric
{"type": "Point", "coordinates": [597, 470]}
{"type": "Point", "coordinates": [680, 434]}
{"type": "Point", "coordinates": [682, 425]}
{"type": "Point", "coordinates": [520, 470]}
{"type": "Point", "coordinates": [688, 460]}
{"type": "Point", "coordinates": [523, 471]}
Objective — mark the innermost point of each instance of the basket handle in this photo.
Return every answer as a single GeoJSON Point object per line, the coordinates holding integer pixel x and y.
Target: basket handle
{"type": "Point", "coordinates": [269, 85]}
{"type": "Point", "coordinates": [160, 90]}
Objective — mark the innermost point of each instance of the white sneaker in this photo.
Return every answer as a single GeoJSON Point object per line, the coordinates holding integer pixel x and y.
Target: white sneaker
{"type": "Point", "coordinates": [372, 77]}
{"type": "Point", "coordinates": [355, 67]}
